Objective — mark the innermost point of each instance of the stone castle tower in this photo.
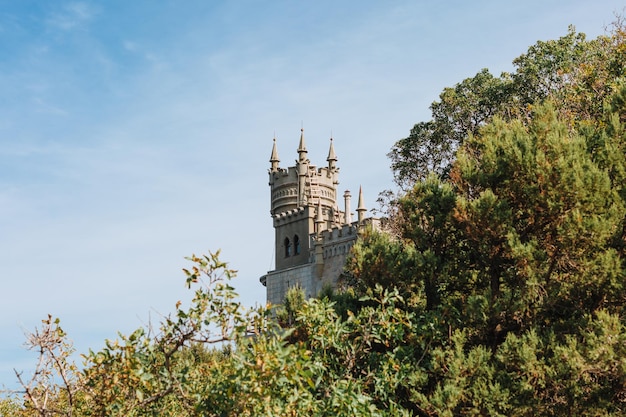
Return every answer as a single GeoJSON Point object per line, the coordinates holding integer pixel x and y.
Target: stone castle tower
{"type": "Point", "coordinates": [312, 235]}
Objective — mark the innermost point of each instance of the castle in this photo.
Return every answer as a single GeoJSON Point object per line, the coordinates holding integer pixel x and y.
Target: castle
{"type": "Point", "coordinates": [312, 235]}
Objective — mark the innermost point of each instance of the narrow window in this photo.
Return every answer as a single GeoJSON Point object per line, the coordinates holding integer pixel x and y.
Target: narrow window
{"type": "Point", "coordinates": [296, 245]}
{"type": "Point", "coordinates": [287, 247]}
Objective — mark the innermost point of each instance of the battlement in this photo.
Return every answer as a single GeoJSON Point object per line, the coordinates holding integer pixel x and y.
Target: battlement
{"type": "Point", "coordinates": [337, 233]}
{"type": "Point", "coordinates": [289, 190]}
{"type": "Point", "coordinates": [334, 241]}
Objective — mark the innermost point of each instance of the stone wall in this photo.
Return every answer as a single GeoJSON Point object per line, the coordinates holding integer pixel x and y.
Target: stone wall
{"type": "Point", "coordinates": [278, 282]}
{"type": "Point", "coordinates": [335, 250]}
{"type": "Point", "coordinates": [324, 267]}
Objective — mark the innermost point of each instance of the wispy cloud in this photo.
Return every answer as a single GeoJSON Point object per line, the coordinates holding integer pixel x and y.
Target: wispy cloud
{"type": "Point", "coordinates": [41, 106]}
{"type": "Point", "coordinates": [72, 16]}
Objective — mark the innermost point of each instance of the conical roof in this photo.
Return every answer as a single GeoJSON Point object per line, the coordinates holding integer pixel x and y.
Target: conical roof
{"type": "Point", "coordinates": [361, 205]}
{"type": "Point", "coordinates": [274, 156]}
{"type": "Point", "coordinates": [302, 145]}
{"type": "Point", "coordinates": [331, 152]}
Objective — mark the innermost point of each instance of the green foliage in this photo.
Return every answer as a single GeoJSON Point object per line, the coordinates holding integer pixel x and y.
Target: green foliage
{"type": "Point", "coordinates": [11, 407]}
{"type": "Point", "coordinates": [538, 214]}
{"type": "Point", "coordinates": [378, 258]}
{"type": "Point", "coordinates": [294, 299]}
{"type": "Point", "coordinates": [145, 373]}
{"type": "Point", "coordinates": [522, 247]}
{"type": "Point", "coordinates": [514, 253]}
{"type": "Point", "coordinates": [582, 374]}
{"type": "Point", "coordinates": [576, 74]}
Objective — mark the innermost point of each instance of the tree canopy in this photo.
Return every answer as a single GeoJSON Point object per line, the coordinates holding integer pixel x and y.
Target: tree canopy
{"type": "Point", "coordinates": [576, 74]}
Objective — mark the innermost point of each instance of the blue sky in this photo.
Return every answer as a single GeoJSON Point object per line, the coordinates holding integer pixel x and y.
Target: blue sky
{"type": "Point", "coordinates": [135, 133]}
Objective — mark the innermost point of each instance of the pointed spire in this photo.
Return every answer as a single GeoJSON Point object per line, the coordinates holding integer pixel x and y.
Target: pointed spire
{"type": "Point", "coordinates": [332, 158]}
{"type": "Point", "coordinates": [302, 166]}
{"type": "Point", "coordinates": [361, 208]}
{"type": "Point", "coordinates": [274, 160]}
{"type": "Point", "coordinates": [302, 145]}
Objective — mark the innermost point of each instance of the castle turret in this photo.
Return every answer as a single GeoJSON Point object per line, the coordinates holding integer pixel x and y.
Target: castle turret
{"type": "Point", "coordinates": [303, 201]}
{"type": "Point", "coordinates": [313, 236]}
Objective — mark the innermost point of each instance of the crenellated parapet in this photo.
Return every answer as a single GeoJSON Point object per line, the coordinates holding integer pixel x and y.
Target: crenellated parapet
{"type": "Point", "coordinates": [288, 192]}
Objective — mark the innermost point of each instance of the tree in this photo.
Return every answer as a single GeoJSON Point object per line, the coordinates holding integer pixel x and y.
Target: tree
{"type": "Point", "coordinates": [577, 75]}
{"type": "Point", "coordinates": [539, 214]}
{"type": "Point", "coordinates": [56, 385]}
{"type": "Point", "coordinates": [461, 111]}
{"type": "Point", "coordinates": [516, 262]}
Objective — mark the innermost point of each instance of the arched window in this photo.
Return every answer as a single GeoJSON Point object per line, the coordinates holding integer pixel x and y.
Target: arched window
{"type": "Point", "coordinates": [296, 245]}
{"type": "Point", "coordinates": [287, 247]}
